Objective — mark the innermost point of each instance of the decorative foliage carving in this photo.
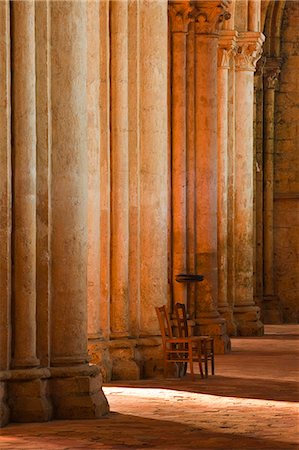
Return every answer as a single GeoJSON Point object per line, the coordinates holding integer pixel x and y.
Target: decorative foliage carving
{"type": "Point", "coordinates": [227, 48]}
{"type": "Point", "coordinates": [249, 50]}
{"type": "Point", "coordinates": [271, 72]}
{"type": "Point", "coordinates": [209, 15]}
{"type": "Point", "coordinates": [180, 13]}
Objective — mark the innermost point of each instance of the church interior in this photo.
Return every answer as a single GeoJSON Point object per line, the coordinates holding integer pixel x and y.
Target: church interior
{"type": "Point", "coordinates": [143, 142]}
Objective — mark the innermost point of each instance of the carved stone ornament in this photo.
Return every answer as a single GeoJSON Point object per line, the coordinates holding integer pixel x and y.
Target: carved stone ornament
{"type": "Point", "coordinates": [227, 48]}
{"type": "Point", "coordinates": [272, 70]}
{"type": "Point", "coordinates": [249, 50]}
{"type": "Point", "coordinates": [180, 14]}
{"type": "Point", "coordinates": [209, 15]}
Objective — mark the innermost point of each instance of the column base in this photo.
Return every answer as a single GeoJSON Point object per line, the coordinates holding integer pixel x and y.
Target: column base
{"type": "Point", "coordinates": [76, 393]}
{"type": "Point", "coordinates": [247, 319]}
{"type": "Point", "coordinates": [227, 314]}
{"type": "Point", "coordinates": [28, 396]}
{"type": "Point", "coordinates": [129, 359]}
{"type": "Point", "coordinates": [271, 310]}
{"type": "Point", "coordinates": [216, 327]}
{"type": "Point", "coordinates": [4, 410]}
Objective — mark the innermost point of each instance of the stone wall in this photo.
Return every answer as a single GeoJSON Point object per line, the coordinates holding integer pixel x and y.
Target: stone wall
{"type": "Point", "coordinates": [286, 169]}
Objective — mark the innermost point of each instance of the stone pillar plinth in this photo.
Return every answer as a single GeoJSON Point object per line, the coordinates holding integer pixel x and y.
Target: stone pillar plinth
{"type": "Point", "coordinates": [226, 49]}
{"type": "Point", "coordinates": [271, 309]}
{"type": "Point", "coordinates": [75, 386]}
{"type": "Point", "coordinates": [180, 17]}
{"type": "Point", "coordinates": [246, 314]}
{"type": "Point", "coordinates": [208, 15]}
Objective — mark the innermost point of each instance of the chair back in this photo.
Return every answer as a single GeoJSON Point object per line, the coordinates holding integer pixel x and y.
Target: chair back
{"type": "Point", "coordinates": [164, 322]}
{"type": "Point", "coordinates": [181, 318]}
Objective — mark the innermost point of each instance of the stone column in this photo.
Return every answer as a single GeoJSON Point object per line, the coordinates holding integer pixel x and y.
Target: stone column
{"type": "Point", "coordinates": [208, 16]}
{"type": "Point", "coordinates": [5, 207]}
{"type": "Point", "coordinates": [258, 184]}
{"type": "Point", "coordinates": [227, 47]}
{"type": "Point", "coordinates": [271, 311]}
{"type": "Point", "coordinates": [43, 156]}
{"type": "Point", "coordinates": [93, 127]}
{"type": "Point", "coordinates": [254, 15]}
{"type": "Point", "coordinates": [75, 386]}
{"type": "Point", "coordinates": [246, 314]}
{"type": "Point", "coordinates": [26, 380]}
{"type": "Point", "coordinates": [24, 189]}
{"type": "Point", "coordinates": [153, 162]}
{"type": "Point", "coordinates": [119, 316]}
{"type": "Point", "coordinates": [179, 14]}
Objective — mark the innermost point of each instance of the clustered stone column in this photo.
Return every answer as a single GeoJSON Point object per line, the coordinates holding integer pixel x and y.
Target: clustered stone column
{"type": "Point", "coordinates": [44, 374]}
{"type": "Point", "coordinates": [270, 300]}
{"type": "Point", "coordinates": [208, 17]}
{"type": "Point", "coordinates": [75, 386]}
{"type": "Point", "coordinates": [246, 314]}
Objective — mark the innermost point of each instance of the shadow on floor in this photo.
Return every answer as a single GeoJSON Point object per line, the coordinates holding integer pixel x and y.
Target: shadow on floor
{"type": "Point", "coordinates": [120, 431]}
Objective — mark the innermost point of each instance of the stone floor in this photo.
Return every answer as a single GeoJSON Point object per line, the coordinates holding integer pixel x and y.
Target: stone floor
{"type": "Point", "coordinates": [249, 404]}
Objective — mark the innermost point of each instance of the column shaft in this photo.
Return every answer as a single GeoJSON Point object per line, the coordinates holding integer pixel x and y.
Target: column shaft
{"type": "Point", "coordinates": [231, 190]}
{"type": "Point", "coordinates": [75, 386]}
{"type": "Point", "coordinates": [190, 168]}
{"type": "Point", "coordinates": [208, 16]}
{"type": "Point", "coordinates": [105, 176]}
{"type": "Point", "coordinates": [254, 15]}
{"type": "Point", "coordinates": [5, 190]}
{"type": "Point", "coordinates": [206, 172]}
{"type": "Point", "coordinates": [24, 183]}
{"type": "Point", "coordinates": [43, 155]}
{"type": "Point", "coordinates": [93, 124]}
{"type": "Point", "coordinates": [246, 313]}
{"type": "Point", "coordinates": [179, 28]}
{"type": "Point", "coordinates": [153, 162]}
{"type": "Point", "coordinates": [120, 170]}
{"type": "Point", "coordinates": [271, 308]}
{"type": "Point", "coordinates": [269, 96]}
{"type": "Point", "coordinates": [226, 46]}
{"type": "Point", "coordinates": [69, 189]}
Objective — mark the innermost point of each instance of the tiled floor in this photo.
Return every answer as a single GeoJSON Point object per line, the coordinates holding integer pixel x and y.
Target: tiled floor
{"type": "Point", "coordinates": [249, 404]}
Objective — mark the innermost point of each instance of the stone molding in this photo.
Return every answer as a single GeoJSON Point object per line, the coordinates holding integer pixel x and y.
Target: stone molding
{"type": "Point", "coordinates": [209, 15]}
{"type": "Point", "coordinates": [227, 48]}
{"type": "Point", "coordinates": [180, 14]}
{"type": "Point", "coordinates": [271, 72]}
{"type": "Point", "coordinates": [249, 51]}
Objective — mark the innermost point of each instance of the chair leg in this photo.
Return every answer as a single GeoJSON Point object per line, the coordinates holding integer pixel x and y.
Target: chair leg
{"type": "Point", "coordinates": [165, 368]}
{"type": "Point", "coordinates": [206, 359]}
{"type": "Point", "coordinates": [212, 358]}
{"type": "Point", "coordinates": [191, 369]}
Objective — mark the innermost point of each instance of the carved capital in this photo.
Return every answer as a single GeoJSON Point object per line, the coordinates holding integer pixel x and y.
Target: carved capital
{"type": "Point", "coordinates": [209, 15]}
{"type": "Point", "coordinates": [249, 50]}
{"type": "Point", "coordinates": [271, 72]}
{"type": "Point", "coordinates": [180, 14]}
{"type": "Point", "coordinates": [260, 66]}
{"type": "Point", "coordinates": [227, 48]}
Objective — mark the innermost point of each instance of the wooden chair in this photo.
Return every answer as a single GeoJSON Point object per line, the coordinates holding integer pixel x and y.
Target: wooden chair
{"type": "Point", "coordinates": [178, 349]}
{"type": "Point", "coordinates": [206, 342]}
